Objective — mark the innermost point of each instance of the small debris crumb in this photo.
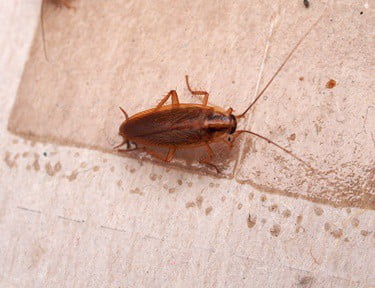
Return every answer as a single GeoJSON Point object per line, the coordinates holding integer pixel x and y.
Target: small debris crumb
{"type": "Point", "coordinates": [287, 213]}
{"type": "Point", "coordinates": [275, 230]}
{"type": "Point", "coordinates": [199, 201]}
{"type": "Point", "coordinates": [330, 84]}
{"type": "Point", "coordinates": [318, 211]}
{"type": "Point", "coordinates": [190, 204]}
{"type": "Point", "coordinates": [355, 222]}
{"type": "Point", "coordinates": [337, 233]}
{"type": "Point", "coordinates": [272, 208]}
{"type": "Point", "coordinates": [136, 191]}
{"type": "Point", "coordinates": [251, 221]}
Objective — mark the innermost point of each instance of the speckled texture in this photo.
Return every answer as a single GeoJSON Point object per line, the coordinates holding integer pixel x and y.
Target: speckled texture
{"type": "Point", "coordinates": [77, 217]}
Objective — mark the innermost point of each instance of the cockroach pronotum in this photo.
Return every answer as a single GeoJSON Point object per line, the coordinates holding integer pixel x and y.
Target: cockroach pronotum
{"type": "Point", "coordinates": [186, 125]}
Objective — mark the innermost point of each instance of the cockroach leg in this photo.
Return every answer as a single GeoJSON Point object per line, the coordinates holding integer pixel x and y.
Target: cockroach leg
{"type": "Point", "coordinates": [119, 145]}
{"type": "Point", "coordinates": [174, 96]}
{"type": "Point", "coordinates": [239, 132]}
{"type": "Point", "coordinates": [206, 160]}
{"type": "Point", "coordinates": [167, 158]}
{"type": "Point", "coordinates": [204, 93]}
{"type": "Point", "coordinates": [125, 141]}
{"type": "Point", "coordinates": [126, 150]}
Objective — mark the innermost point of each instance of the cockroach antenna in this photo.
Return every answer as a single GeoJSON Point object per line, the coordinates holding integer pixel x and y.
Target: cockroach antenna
{"type": "Point", "coordinates": [281, 67]}
{"type": "Point", "coordinates": [237, 133]}
{"type": "Point", "coordinates": [124, 112]}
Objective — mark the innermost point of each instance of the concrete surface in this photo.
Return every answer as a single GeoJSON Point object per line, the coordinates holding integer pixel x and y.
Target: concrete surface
{"type": "Point", "coordinates": [73, 216]}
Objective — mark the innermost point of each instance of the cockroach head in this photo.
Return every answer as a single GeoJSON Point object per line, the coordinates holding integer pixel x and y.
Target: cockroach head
{"type": "Point", "coordinates": [233, 124]}
{"type": "Point", "coordinates": [121, 130]}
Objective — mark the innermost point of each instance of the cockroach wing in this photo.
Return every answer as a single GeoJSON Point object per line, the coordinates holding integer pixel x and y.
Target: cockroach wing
{"type": "Point", "coordinates": [170, 127]}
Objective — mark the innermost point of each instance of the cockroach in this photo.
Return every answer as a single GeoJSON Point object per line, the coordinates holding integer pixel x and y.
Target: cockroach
{"type": "Point", "coordinates": [186, 125]}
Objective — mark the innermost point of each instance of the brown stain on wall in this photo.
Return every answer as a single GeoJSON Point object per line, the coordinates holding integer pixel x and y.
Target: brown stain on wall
{"type": "Point", "coordinates": [251, 221]}
{"type": "Point", "coordinates": [318, 211]}
{"type": "Point", "coordinates": [73, 175]}
{"type": "Point", "coordinates": [190, 204]}
{"type": "Point", "coordinates": [275, 230]}
{"type": "Point", "coordinates": [306, 280]}
{"type": "Point", "coordinates": [199, 201]}
{"type": "Point", "coordinates": [36, 164]}
{"type": "Point", "coordinates": [171, 190]}
{"type": "Point", "coordinates": [330, 84]}
{"type": "Point", "coordinates": [52, 170]}
{"type": "Point", "coordinates": [208, 210]}
{"type": "Point", "coordinates": [365, 233]}
{"type": "Point", "coordinates": [337, 233]}
{"type": "Point", "coordinates": [355, 222]}
{"type": "Point", "coordinates": [273, 208]}
{"type": "Point", "coordinates": [7, 158]}
{"type": "Point", "coordinates": [136, 191]}
{"type": "Point", "coordinates": [287, 213]}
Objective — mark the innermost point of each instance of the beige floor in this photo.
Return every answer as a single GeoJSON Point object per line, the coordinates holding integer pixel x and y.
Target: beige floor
{"type": "Point", "coordinates": [72, 214]}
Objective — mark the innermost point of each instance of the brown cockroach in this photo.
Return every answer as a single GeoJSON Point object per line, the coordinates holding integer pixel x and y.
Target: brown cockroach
{"type": "Point", "coordinates": [186, 125]}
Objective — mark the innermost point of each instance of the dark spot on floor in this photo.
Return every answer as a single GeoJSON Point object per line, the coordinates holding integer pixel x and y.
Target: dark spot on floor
{"type": "Point", "coordinates": [208, 210]}
{"type": "Point", "coordinates": [287, 213]}
{"type": "Point", "coordinates": [190, 204]}
{"type": "Point", "coordinates": [355, 222]}
{"type": "Point", "coordinates": [251, 221]}
{"type": "Point", "coordinates": [337, 233]}
{"type": "Point", "coordinates": [273, 208]}
{"type": "Point", "coordinates": [275, 230]}
{"type": "Point", "coordinates": [318, 211]}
